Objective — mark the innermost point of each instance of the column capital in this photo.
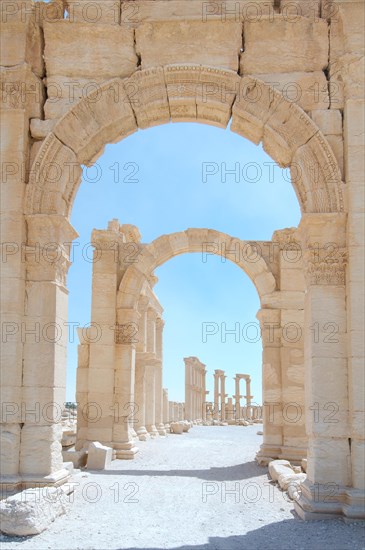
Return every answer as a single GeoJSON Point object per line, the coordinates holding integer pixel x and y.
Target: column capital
{"type": "Point", "coordinates": [50, 228]}
{"type": "Point", "coordinates": [47, 253]}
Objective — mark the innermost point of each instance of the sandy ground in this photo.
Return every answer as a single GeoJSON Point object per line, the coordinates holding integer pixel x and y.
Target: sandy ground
{"type": "Point", "coordinates": [199, 491]}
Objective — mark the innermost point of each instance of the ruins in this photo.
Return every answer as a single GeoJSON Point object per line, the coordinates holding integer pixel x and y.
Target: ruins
{"type": "Point", "coordinates": [195, 389]}
{"type": "Point", "coordinates": [291, 80]}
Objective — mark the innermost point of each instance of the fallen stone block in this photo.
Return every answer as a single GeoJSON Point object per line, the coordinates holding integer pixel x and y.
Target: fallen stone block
{"type": "Point", "coordinates": [279, 467]}
{"type": "Point", "coordinates": [293, 491]}
{"type": "Point", "coordinates": [176, 428]}
{"type": "Point", "coordinates": [69, 467]}
{"type": "Point", "coordinates": [32, 511]}
{"type": "Point", "coordinates": [78, 458]}
{"type": "Point", "coordinates": [286, 479]}
{"type": "Point", "coordinates": [99, 456]}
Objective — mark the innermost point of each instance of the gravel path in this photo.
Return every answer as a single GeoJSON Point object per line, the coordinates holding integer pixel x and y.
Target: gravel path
{"type": "Point", "coordinates": [176, 495]}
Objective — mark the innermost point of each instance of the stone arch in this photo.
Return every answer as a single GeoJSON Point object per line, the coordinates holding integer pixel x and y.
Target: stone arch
{"type": "Point", "coordinates": [277, 306]}
{"type": "Point", "coordinates": [184, 93]}
{"type": "Point", "coordinates": [200, 241]}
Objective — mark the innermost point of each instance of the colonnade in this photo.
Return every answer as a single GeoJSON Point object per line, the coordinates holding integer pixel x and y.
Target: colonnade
{"type": "Point", "coordinates": [176, 411]}
{"type": "Point", "coordinates": [195, 389]}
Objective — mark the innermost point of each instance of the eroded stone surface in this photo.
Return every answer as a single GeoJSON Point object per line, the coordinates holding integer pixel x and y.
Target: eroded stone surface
{"type": "Point", "coordinates": [31, 511]}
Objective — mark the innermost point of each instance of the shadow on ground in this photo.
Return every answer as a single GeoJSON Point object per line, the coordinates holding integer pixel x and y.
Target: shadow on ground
{"type": "Point", "coordinates": [224, 473]}
{"type": "Point", "coordinates": [285, 535]}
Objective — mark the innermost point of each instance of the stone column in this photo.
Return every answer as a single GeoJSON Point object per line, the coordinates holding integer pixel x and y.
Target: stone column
{"type": "Point", "coordinates": [197, 393]}
{"type": "Point", "coordinates": [166, 414]}
{"type": "Point", "coordinates": [193, 392]}
{"type": "Point", "coordinates": [248, 396]}
{"type": "Point", "coordinates": [355, 296]}
{"type": "Point", "coordinates": [271, 383]}
{"type": "Point", "coordinates": [216, 395]}
{"type": "Point", "coordinates": [204, 394]}
{"type": "Point", "coordinates": [22, 100]}
{"type": "Point", "coordinates": [327, 404]}
{"type": "Point", "coordinates": [292, 284]}
{"type": "Point", "coordinates": [100, 391]}
{"type": "Point", "coordinates": [229, 415]}
{"type": "Point", "coordinates": [44, 353]}
{"type": "Point", "coordinates": [150, 399]}
{"type": "Point", "coordinates": [188, 391]}
{"type": "Point", "coordinates": [150, 373]}
{"type": "Point", "coordinates": [82, 377]}
{"type": "Point", "coordinates": [158, 399]}
{"type": "Point", "coordinates": [223, 397]}
{"type": "Point", "coordinates": [151, 331]}
{"type": "Point", "coordinates": [158, 377]}
{"type": "Point", "coordinates": [140, 398]}
{"type": "Point", "coordinates": [140, 379]}
{"type": "Point", "coordinates": [125, 359]}
{"type": "Point", "coordinates": [237, 396]}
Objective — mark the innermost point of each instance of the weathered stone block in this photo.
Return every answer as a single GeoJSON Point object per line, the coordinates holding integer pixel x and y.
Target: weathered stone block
{"type": "Point", "coordinates": [40, 452]}
{"type": "Point", "coordinates": [294, 480]}
{"type": "Point", "coordinates": [308, 90]}
{"type": "Point", "coordinates": [177, 427]}
{"type": "Point", "coordinates": [31, 511]}
{"type": "Point", "coordinates": [194, 10]}
{"type": "Point", "coordinates": [99, 456]}
{"type": "Point", "coordinates": [22, 89]}
{"type": "Point", "coordinates": [305, 8]}
{"type": "Point", "coordinates": [21, 41]}
{"type": "Point", "coordinates": [99, 11]}
{"type": "Point", "coordinates": [163, 43]}
{"type": "Point", "coordinates": [329, 121]}
{"type": "Point", "coordinates": [83, 50]}
{"type": "Point", "coordinates": [9, 448]}
{"type": "Point", "coordinates": [279, 467]}
{"type": "Point", "coordinates": [78, 458]}
{"type": "Point", "coordinates": [278, 44]}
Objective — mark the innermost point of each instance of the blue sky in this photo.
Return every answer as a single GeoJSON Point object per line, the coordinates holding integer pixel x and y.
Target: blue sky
{"type": "Point", "coordinates": [166, 179]}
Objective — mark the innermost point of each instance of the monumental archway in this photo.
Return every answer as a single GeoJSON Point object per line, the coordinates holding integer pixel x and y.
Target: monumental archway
{"type": "Point", "coordinates": [257, 112]}
{"type": "Point", "coordinates": [180, 66]}
{"type": "Point", "coordinates": [269, 266]}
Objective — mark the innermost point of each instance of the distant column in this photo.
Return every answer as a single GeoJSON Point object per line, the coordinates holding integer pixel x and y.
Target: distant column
{"type": "Point", "coordinates": [223, 397]}
{"type": "Point", "coordinates": [216, 395]}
